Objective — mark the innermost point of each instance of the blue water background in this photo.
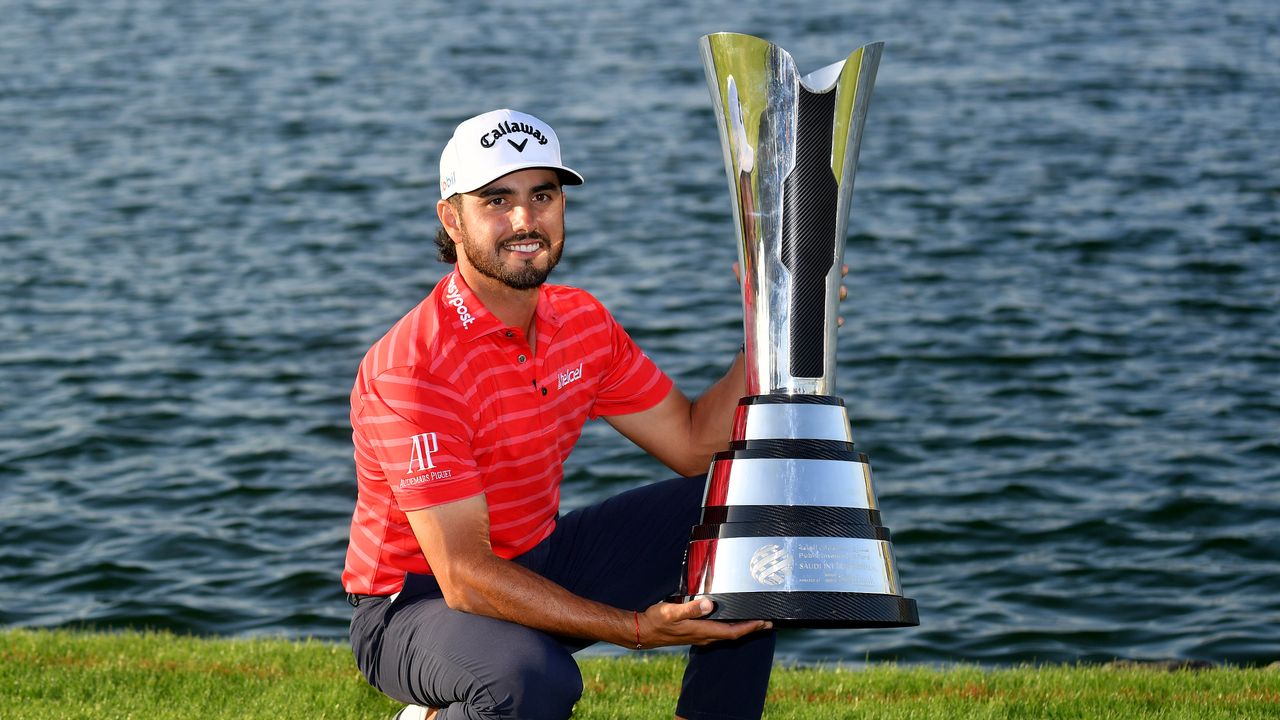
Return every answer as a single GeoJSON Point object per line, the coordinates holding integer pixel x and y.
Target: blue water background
{"type": "Point", "coordinates": [1062, 345]}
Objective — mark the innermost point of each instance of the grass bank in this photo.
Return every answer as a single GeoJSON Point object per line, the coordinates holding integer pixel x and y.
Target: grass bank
{"type": "Point", "coordinates": [58, 674]}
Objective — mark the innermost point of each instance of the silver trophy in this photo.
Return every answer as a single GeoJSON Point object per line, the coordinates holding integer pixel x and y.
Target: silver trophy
{"type": "Point", "coordinates": [790, 530]}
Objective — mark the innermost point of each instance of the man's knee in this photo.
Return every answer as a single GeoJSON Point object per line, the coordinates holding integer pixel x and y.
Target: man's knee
{"type": "Point", "coordinates": [539, 686]}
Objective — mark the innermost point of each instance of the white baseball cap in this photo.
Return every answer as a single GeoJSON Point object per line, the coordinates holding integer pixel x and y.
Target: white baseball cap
{"type": "Point", "coordinates": [490, 145]}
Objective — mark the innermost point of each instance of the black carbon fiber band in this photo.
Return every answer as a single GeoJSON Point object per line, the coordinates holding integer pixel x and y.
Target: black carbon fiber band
{"type": "Point", "coordinates": [723, 531]}
{"type": "Point", "coordinates": [785, 399]}
{"type": "Point", "coordinates": [810, 195]}
{"type": "Point", "coordinates": [791, 450]}
{"type": "Point", "coordinates": [808, 514]}
{"type": "Point", "coordinates": [818, 609]}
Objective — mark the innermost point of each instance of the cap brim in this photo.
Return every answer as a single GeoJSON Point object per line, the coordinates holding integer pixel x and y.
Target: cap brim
{"type": "Point", "coordinates": [568, 176]}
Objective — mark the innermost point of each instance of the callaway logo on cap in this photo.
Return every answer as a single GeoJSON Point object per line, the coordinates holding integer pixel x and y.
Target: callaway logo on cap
{"type": "Point", "coordinates": [488, 146]}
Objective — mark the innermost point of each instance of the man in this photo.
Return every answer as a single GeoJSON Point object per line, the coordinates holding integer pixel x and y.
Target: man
{"type": "Point", "coordinates": [471, 593]}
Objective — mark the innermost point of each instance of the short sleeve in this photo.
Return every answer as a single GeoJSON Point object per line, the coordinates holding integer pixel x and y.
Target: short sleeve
{"type": "Point", "coordinates": [632, 382]}
{"type": "Point", "coordinates": [419, 431]}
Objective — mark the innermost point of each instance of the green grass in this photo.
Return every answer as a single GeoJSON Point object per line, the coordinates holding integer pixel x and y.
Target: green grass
{"type": "Point", "coordinates": [60, 674]}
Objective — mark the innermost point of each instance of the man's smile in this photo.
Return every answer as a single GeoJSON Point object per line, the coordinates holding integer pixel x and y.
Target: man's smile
{"type": "Point", "coordinates": [525, 247]}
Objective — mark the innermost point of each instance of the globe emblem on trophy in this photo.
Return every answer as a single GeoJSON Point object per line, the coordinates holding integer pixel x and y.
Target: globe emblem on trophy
{"type": "Point", "coordinates": [770, 565]}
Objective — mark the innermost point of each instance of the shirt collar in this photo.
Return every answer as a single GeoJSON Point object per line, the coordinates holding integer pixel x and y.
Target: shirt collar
{"type": "Point", "coordinates": [548, 315]}
{"type": "Point", "coordinates": [464, 312]}
{"type": "Point", "coordinates": [470, 319]}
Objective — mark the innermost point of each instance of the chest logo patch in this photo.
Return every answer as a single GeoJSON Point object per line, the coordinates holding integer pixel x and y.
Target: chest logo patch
{"type": "Point", "coordinates": [568, 376]}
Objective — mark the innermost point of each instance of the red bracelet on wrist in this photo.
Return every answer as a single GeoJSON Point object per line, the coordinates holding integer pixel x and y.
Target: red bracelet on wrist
{"type": "Point", "coordinates": [636, 613]}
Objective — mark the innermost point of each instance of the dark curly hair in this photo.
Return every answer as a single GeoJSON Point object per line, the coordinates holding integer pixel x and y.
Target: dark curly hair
{"type": "Point", "coordinates": [446, 251]}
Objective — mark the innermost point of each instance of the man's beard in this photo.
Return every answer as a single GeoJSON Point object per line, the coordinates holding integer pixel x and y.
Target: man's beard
{"type": "Point", "coordinates": [525, 277]}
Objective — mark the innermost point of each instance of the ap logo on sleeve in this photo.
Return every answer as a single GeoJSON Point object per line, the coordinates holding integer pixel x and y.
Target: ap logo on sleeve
{"type": "Point", "coordinates": [422, 449]}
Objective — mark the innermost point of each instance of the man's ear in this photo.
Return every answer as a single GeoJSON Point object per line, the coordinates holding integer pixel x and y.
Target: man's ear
{"type": "Point", "coordinates": [449, 218]}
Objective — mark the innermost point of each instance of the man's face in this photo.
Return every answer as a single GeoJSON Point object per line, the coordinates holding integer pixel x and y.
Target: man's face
{"type": "Point", "coordinates": [512, 230]}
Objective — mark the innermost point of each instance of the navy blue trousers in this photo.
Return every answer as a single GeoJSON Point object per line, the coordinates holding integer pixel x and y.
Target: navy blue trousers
{"type": "Point", "coordinates": [626, 551]}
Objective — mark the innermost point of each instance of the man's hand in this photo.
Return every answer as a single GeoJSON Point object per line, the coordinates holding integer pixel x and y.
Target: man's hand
{"type": "Point", "coordinates": [455, 541]}
{"type": "Point", "coordinates": [667, 623]}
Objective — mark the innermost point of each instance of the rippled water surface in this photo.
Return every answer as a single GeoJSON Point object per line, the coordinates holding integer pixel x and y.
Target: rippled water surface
{"type": "Point", "coordinates": [1062, 342]}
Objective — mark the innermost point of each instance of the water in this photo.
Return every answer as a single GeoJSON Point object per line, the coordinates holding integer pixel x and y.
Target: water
{"type": "Point", "coordinates": [1061, 346]}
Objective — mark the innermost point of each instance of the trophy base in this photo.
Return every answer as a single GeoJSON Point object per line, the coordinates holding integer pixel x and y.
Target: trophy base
{"type": "Point", "coordinates": [816, 609]}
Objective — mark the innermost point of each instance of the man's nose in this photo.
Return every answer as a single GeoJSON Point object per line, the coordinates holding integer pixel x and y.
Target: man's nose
{"type": "Point", "coordinates": [521, 218]}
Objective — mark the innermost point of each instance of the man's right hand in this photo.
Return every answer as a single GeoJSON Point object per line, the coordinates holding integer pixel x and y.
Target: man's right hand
{"type": "Point", "coordinates": [667, 623]}
{"type": "Point", "coordinates": [455, 541]}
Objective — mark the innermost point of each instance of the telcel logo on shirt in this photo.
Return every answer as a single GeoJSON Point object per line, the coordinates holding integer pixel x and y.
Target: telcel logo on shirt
{"type": "Point", "coordinates": [454, 298]}
{"type": "Point", "coordinates": [569, 376]}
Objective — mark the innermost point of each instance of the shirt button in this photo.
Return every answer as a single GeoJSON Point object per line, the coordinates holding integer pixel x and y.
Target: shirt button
{"type": "Point", "coordinates": [520, 358]}
{"type": "Point", "coordinates": [544, 391]}
{"type": "Point", "coordinates": [510, 334]}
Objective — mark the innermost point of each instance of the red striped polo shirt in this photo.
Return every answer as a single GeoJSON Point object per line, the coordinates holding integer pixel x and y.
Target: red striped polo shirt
{"type": "Point", "coordinates": [452, 403]}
